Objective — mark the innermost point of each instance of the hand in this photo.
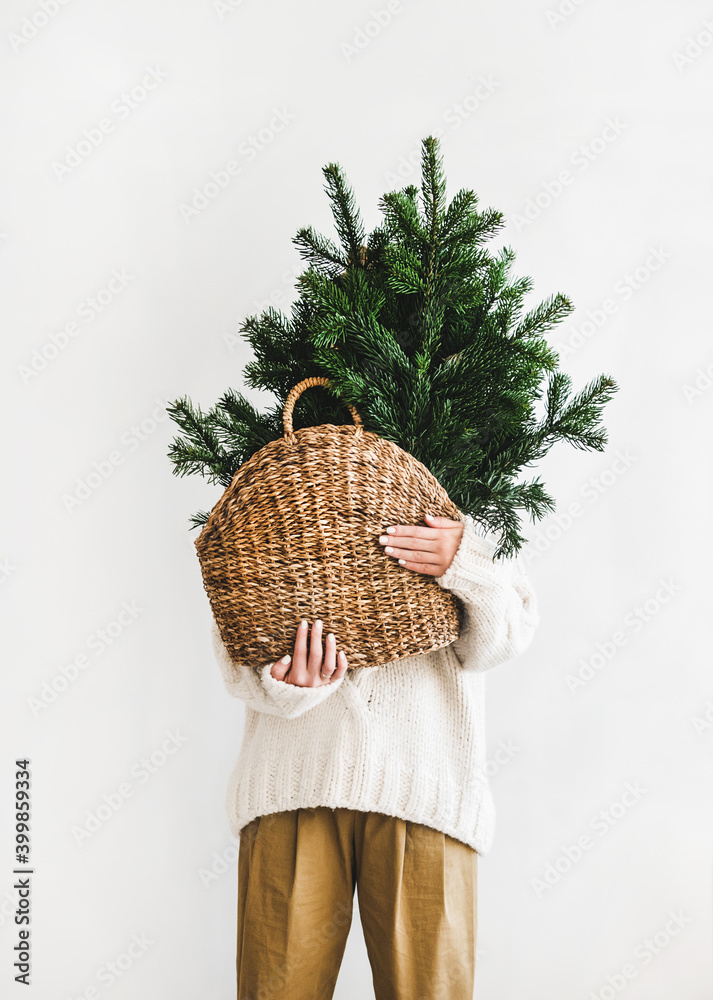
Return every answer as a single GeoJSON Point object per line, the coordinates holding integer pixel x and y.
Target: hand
{"type": "Point", "coordinates": [310, 672]}
{"type": "Point", "coordinates": [427, 549]}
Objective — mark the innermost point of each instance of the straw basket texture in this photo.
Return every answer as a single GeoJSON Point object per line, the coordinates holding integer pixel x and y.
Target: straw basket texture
{"type": "Point", "coordinates": [296, 535]}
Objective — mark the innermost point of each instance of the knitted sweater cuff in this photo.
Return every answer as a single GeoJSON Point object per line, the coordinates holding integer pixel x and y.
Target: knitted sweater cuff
{"type": "Point", "coordinates": [473, 561]}
{"type": "Point", "coordinates": [498, 599]}
{"type": "Point", "coordinates": [292, 698]}
{"type": "Point", "coordinates": [260, 690]}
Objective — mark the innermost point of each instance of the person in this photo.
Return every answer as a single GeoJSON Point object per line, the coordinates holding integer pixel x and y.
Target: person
{"type": "Point", "coordinates": [373, 778]}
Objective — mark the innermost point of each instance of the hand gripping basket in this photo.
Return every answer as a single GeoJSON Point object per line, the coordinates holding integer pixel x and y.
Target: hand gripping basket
{"type": "Point", "coordinates": [296, 535]}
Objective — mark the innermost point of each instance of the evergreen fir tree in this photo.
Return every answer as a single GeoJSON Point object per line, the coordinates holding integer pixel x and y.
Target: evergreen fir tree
{"type": "Point", "coordinates": [422, 329]}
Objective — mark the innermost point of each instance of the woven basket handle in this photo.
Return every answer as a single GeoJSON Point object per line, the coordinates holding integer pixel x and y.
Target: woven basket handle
{"type": "Point", "coordinates": [297, 392]}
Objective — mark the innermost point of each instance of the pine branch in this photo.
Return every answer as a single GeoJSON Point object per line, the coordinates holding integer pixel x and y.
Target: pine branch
{"type": "Point", "coordinates": [401, 219]}
{"type": "Point", "coordinates": [544, 316]}
{"type": "Point", "coordinates": [462, 210]}
{"type": "Point", "coordinates": [319, 252]}
{"type": "Point", "coordinates": [200, 450]}
{"type": "Point", "coordinates": [486, 225]}
{"type": "Point", "coordinates": [199, 519]}
{"type": "Point", "coordinates": [575, 421]}
{"type": "Point", "coordinates": [433, 188]}
{"type": "Point", "coordinates": [346, 214]}
{"type": "Point", "coordinates": [404, 271]}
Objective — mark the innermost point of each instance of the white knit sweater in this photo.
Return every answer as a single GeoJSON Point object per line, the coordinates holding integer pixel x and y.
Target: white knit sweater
{"type": "Point", "coordinates": [407, 738]}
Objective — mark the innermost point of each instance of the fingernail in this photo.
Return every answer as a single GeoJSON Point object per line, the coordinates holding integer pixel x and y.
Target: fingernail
{"type": "Point", "coordinates": [391, 530]}
{"type": "Point", "coordinates": [318, 622]}
{"type": "Point", "coordinates": [342, 654]}
{"type": "Point", "coordinates": [330, 637]}
{"type": "Point", "coordinates": [285, 659]}
{"type": "Point", "coordinates": [303, 624]}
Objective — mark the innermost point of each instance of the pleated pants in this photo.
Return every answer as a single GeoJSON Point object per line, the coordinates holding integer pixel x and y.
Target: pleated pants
{"type": "Point", "coordinates": [297, 872]}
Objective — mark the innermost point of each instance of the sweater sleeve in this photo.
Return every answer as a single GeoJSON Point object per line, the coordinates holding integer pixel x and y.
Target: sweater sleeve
{"type": "Point", "coordinates": [265, 693]}
{"type": "Point", "coordinates": [500, 604]}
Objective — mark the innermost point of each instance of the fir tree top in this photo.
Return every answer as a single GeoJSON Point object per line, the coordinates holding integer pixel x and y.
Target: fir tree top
{"type": "Point", "coordinates": [420, 327]}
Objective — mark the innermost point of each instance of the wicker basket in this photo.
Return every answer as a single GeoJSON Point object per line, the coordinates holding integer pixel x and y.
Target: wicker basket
{"type": "Point", "coordinates": [296, 535]}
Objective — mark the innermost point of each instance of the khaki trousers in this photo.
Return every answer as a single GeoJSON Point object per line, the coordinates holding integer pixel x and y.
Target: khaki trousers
{"type": "Point", "coordinates": [417, 900]}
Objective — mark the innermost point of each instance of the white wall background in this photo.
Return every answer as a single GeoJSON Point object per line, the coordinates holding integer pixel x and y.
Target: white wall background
{"type": "Point", "coordinates": [629, 563]}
